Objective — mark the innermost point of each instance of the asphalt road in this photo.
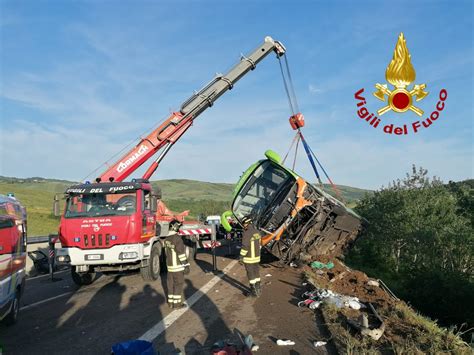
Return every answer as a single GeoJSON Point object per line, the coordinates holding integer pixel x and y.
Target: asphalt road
{"type": "Point", "coordinates": [59, 317]}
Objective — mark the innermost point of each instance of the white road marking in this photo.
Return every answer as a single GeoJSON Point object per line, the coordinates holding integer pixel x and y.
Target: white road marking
{"type": "Point", "coordinates": [160, 327]}
{"type": "Point", "coordinates": [47, 275]}
{"type": "Point", "coordinates": [44, 301]}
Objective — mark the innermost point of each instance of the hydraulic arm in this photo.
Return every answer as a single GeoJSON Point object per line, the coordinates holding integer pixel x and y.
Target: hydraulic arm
{"type": "Point", "coordinates": [164, 137]}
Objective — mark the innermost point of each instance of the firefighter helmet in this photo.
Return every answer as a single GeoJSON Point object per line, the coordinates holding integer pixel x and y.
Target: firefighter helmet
{"type": "Point", "coordinates": [175, 225]}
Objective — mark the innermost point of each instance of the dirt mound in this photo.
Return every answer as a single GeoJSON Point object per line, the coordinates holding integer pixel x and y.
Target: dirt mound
{"type": "Point", "coordinates": [345, 281]}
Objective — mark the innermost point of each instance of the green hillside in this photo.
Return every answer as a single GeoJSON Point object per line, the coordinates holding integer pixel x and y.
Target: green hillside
{"type": "Point", "coordinates": [179, 189]}
{"type": "Point", "coordinates": [199, 197]}
{"type": "Point", "coordinates": [38, 199]}
{"type": "Point", "coordinates": [183, 189]}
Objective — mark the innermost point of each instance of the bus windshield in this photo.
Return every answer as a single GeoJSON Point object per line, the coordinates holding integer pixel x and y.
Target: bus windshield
{"type": "Point", "coordinates": [260, 189]}
{"type": "Point", "coordinates": [94, 205]}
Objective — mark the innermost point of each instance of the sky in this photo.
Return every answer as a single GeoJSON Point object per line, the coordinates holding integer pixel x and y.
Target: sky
{"type": "Point", "coordinates": [81, 80]}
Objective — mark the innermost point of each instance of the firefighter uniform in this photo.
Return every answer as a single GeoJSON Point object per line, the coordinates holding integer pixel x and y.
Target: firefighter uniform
{"type": "Point", "coordinates": [250, 255]}
{"type": "Point", "coordinates": [176, 263]}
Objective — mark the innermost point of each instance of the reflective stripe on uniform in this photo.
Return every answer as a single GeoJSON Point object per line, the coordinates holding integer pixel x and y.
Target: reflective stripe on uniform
{"type": "Point", "coordinates": [254, 281]}
{"type": "Point", "coordinates": [182, 257]}
{"type": "Point", "coordinates": [243, 252]}
{"type": "Point", "coordinates": [250, 260]}
{"type": "Point", "coordinates": [176, 268]}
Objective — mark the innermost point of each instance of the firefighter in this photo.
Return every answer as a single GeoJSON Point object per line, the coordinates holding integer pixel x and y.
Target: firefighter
{"type": "Point", "coordinates": [177, 265]}
{"type": "Point", "coordinates": [250, 255]}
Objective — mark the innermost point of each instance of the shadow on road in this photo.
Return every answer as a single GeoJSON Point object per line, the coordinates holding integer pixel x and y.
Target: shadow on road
{"type": "Point", "coordinates": [88, 321]}
{"type": "Point", "coordinates": [207, 267]}
{"type": "Point", "coordinates": [214, 325]}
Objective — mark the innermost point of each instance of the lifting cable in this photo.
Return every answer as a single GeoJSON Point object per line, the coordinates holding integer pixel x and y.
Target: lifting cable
{"type": "Point", "coordinates": [293, 103]}
{"type": "Point", "coordinates": [288, 83]}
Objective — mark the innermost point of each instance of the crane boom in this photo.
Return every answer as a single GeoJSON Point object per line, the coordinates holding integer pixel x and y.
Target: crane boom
{"type": "Point", "coordinates": [163, 137]}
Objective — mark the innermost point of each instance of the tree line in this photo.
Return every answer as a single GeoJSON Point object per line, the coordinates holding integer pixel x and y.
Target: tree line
{"type": "Point", "coordinates": [420, 240]}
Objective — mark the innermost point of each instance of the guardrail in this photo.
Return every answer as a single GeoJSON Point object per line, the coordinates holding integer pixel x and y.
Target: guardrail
{"type": "Point", "coordinates": [39, 239]}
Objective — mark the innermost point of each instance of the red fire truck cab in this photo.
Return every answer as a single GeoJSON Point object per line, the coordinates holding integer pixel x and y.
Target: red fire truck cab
{"type": "Point", "coordinates": [12, 257]}
{"type": "Point", "coordinates": [110, 227]}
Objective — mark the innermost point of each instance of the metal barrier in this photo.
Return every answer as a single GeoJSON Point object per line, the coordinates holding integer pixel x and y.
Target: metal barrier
{"type": "Point", "coordinates": [38, 239]}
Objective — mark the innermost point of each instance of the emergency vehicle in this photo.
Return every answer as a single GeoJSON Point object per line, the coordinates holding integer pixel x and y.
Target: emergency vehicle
{"type": "Point", "coordinates": [12, 257]}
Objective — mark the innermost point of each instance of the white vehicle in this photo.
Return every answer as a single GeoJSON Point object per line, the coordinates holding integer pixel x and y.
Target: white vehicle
{"type": "Point", "coordinates": [216, 220]}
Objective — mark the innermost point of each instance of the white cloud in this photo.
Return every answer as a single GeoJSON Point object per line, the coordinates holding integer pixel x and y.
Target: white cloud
{"type": "Point", "coordinates": [313, 89]}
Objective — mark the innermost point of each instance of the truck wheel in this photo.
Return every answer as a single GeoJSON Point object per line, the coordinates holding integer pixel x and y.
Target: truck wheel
{"type": "Point", "coordinates": [151, 272]}
{"type": "Point", "coordinates": [82, 278]}
{"type": "Point", "coordinates": [12, 317]}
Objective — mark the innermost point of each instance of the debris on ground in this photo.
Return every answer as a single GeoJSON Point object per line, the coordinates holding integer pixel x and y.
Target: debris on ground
{"type": "Point", "coordinates": [320, 265]}
{"type": "Point", "coordinates": [225, 347]}
{"type": "Point", "coordinates": [363, 315]}
{"type": "Point", "coordinates": [363, 325]}
{"type": "Point", "coordinates": [285, 342]}
{"type": "Point", "coordinates": [314, 299]}
{"type": "Point", "coordinates": [317, 344]}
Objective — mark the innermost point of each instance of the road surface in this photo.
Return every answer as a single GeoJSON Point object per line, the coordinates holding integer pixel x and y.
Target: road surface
{"type": "Point", "coordinates": [59, 317]}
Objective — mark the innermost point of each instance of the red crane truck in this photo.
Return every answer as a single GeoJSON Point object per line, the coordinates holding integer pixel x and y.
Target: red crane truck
{"type": "Point", "coordinates": [111, 225]}
{"type": "Point", "coordinates": [12, 257]}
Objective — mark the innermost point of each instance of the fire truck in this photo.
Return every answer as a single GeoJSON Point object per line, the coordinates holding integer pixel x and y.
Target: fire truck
{"type": "Point", "coordinates": [12, 257]}
{"type": "Point", "coordinates": [111, 225]}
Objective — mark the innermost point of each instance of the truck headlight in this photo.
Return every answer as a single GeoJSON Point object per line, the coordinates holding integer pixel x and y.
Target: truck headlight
{"type": "Point", "coordinates": [63, 259]}
{"type": "Point", "coordinates": [129, 255]}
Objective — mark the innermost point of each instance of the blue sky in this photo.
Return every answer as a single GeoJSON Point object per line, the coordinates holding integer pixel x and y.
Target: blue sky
{"type": "Point", "coordinates": [82, 79]}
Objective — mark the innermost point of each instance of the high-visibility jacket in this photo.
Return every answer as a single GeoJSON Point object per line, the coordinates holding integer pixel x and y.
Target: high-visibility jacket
{"type": "Point", "coordinates": [175, 253]}
{"type": "Point", "coordinates": [251, 243]}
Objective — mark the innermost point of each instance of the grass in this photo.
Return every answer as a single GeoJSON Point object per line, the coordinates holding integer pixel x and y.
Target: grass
{"type": "Point", "coordinates": [38, 203]}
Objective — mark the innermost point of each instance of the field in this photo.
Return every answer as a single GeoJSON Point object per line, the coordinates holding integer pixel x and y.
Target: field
{"type": "Point", "coordinates": [206, 198]}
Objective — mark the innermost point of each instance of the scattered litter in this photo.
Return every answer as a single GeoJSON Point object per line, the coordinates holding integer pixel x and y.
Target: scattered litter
{"type": "Point", "coordinates": [248, 341]}
{"type": "Point", "coordinates": [354, 304]}
{"type": "Point", "coordinates": [285, 342]}
{"type": "Point", "coordinates": [313, 299]}
{"type": "Point", "coordinates": [363, 325]}
{"type": "Point", "coordinates": [217, 290]}
{"type": "Point", "coordinates": [293, 264]}
{"type": "Point", "coordinates": [268, 275]}
{"type": "Point", "coordinates": [373, 283]}
{"type": "Point", "coordinates": [319, 343]}
{"type": "Point", "coordinates": [320, 265]}
{"type": "Point", "coordinates": [304, 283]}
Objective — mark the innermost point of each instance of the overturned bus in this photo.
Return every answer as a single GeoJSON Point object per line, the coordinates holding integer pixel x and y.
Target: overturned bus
{"type": "Point", "coordinates": [300, 220]}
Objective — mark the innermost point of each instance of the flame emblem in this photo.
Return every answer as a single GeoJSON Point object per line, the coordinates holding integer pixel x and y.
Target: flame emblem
{"type": "Point", "coordinates": [400, 73]}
